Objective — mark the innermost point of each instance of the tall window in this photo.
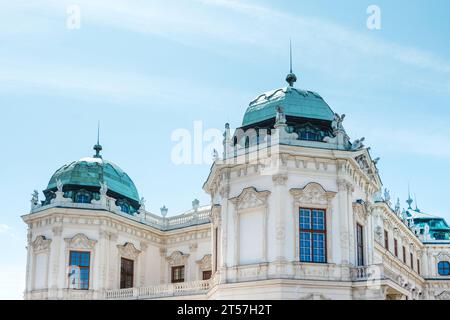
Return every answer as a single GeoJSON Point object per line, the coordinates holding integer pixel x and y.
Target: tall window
{"type": "Point", "coordinates": [418, 266]}
{"type": "Point", "coordinates": [79, 274]}
{"type": "Point", "coordinates": [360, 244]}
{"type": "Point", "coordinates": [177, 274]}
{"type": "Point", "coordinates": [411, 260]}
{"type": "Point", "coordinates": [216, 248]}
{"type": "Point", "coordinates": [386, 239]}
{"type": "Point", "coordinates": [396, 247]}
{"type": "Point", "coordinates": [126, 273]}
{"type": "Point", "coordinates": [404, 254]}
{"type": "Point", "coordinates": [312, 236]}
{"type": "Point", "coordinates": [444, 268]}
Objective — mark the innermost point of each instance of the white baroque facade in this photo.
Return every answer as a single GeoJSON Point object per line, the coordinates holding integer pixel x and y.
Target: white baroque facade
{"type": "Point", "coordinates": [296, 214]}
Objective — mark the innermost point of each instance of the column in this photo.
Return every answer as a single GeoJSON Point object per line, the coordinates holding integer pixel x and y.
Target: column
{"type": "Point", "coordinates": [103, 248]}
{"type": "Point", "coordinates": [143, 260]}
{"type": "Point", "coordinates": [55, 262]}
{"type": "Point", "coordinates": [351, 225]}
{"type": "Point", "coordinates": [343, 219]}
{"type": "Point", "coordinates": [192, 262]}
{"type": "Point", "coordinates": [279, 201]}
{"type": "Point", "coordinates": [162, 270]}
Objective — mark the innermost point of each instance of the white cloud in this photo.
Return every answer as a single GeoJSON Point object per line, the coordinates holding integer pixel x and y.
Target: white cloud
{"type": "Point", "coordinates": [4, 228]}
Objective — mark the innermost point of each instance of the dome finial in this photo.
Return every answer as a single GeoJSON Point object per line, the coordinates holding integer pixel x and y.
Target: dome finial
{"type": "Point", "coordinates": [291, 77]}
{"type": "Point", "coordinates": [409, 201]}
{"type": "Point", "coordinates": [98, 147]}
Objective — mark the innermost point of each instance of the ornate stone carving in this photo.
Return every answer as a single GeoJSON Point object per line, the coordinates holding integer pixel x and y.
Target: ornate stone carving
{"type": "Point", "coordinates": [177, 258]}
{"type": "Point", "coordinates": [128, 251]}
{"type": "Point", "coordinates": [57, 231]}
{"type": "Point", "coordinates": [80, 241]}
{"type": "Point", "coordinates": [205, 263]}
{"type": "Point", "coordinates": [313, 193]}
{"type": "Point", "coordinates": [443, 256]}
{"type": "Point", "coordinates": [279, 179]}
{"type": "Point", "coordinates": [215, 215]}
{"type": "Point", "coordinates": [250, 198]}
{"type": "Point", "coordinates": [41, 244]}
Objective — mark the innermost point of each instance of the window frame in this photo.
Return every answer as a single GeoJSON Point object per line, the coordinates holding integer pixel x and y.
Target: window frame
{"type": "Point", "coordinates": [360, 245]}
{"type": "Point", "coordinates": [127, 274]}
{"type": "Point", "coordinates": [88, 267]}
{"type": "Point", "coordinates": [173, 270]}
{"type": "Point", "coordinates": [396, 247]}
{"type": "Point", "coordinates": [446, 268]}
{"type": "Point", "coordinates": [311, 232]}
{"type": "Point", "coordinates": [411, 260]}
{"type": "Point", "coordinates": [206, 272]}
{"type": "Point", "coordinates": [404, 254]}
{"type": "Point", "coordinates": [386, 239]}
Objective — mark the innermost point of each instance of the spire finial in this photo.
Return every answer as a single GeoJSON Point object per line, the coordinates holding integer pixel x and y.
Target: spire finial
{"type": "Point", "coordinates": [409, 201]}
{"type": "Point", "coordinates": [290, 54]}
{"type": "Point", "coordinates": [291, 77]}
{"type": "Point", "coordinates": [415, 200]}
{"type": "Point", "coordinates": [98, 147]}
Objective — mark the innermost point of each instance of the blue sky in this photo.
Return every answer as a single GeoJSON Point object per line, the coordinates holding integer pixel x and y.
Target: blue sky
{"type": "Point", "coordinates": [147, 68]}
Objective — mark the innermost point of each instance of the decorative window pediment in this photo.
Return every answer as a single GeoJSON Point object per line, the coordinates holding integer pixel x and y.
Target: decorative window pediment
{"type": "Point", "coordinates": [41, 244]}
{"type": "Point", "coordinates": [177, 258]}
{"type": "Point", "coordinates": [80, 241]}
{"type": "Point", "coordinates": [313, 193]}
{"type": "Point", "coordinates": [128, 251]}
{"type": "Point", "coordinates": [250, 198]}
{"type": "Point", "coordinates": [443, 256]}
{"type": "Point", "coordinates": [205, 263]}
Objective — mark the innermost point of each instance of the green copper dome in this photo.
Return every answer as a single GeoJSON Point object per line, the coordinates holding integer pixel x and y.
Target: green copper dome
{"type": "Point", "coordinates": [89, 172]}
{"type": "Point", "coordinates": [295, 103]}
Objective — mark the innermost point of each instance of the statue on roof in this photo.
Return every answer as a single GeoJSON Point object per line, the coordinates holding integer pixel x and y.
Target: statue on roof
{"type": "Point", "coordinates": [387, 196]}
{"type": "Point", "coordinates": [280, 118]}
{"type": "Point", "coordinates": [336, 124]}
{"type": "Point", "coordinates": [142, 203]}
{"type": "Point", "coordinates": [34, 199]}
{"type": "Point", "coordinates": [59, 185]}
{"type": "Point", "coordinates": [358, 144]}
{"type": "Point", "coordinates": [103, 188]}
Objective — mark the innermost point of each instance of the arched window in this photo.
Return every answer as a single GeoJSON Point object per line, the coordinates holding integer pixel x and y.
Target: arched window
{"type": "Point", "coordinates": [444, 268]}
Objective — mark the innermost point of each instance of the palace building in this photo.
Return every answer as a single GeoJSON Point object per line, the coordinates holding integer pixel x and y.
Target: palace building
{"type": "Point", "coordinates": [297, 211]}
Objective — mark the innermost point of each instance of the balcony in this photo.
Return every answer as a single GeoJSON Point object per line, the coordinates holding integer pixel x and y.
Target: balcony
{"type": "Point", "coordinates": [194, 288]}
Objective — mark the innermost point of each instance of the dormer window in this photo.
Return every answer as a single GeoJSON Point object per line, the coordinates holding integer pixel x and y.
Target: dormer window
{"type": "Point", "coordinates": [124, 208]}
{"type": "Point", "coordinates": [309, 136]}
{"type": "Point", "coordinates": [82, 197]}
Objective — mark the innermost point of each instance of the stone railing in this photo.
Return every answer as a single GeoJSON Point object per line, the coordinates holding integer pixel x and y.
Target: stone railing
{"type": "Point", "coordinates": [372, 272]}
{"type": "Point", "coordinates": [161, 291]}
{"type": "Point", "coordinates": [191, 218]}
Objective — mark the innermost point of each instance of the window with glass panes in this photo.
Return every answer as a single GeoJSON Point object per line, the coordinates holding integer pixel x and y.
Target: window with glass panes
{"type": "Point", "coordinates": [126, 273]}
{"type": "Point", "coordinates": [177, 274]}
{"type": "Point", "coordinates": [312, 235]}
{"type": "Point", "coordinates": [444, 268]}
{"type": "Point", "coordinates": [80, 263]}
{"type": "Point", "coordinates": [360, 244]}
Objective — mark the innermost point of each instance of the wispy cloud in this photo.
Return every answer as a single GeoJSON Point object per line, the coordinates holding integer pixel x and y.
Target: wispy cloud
{"type": "Point", "coordinates": [4, 228]}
